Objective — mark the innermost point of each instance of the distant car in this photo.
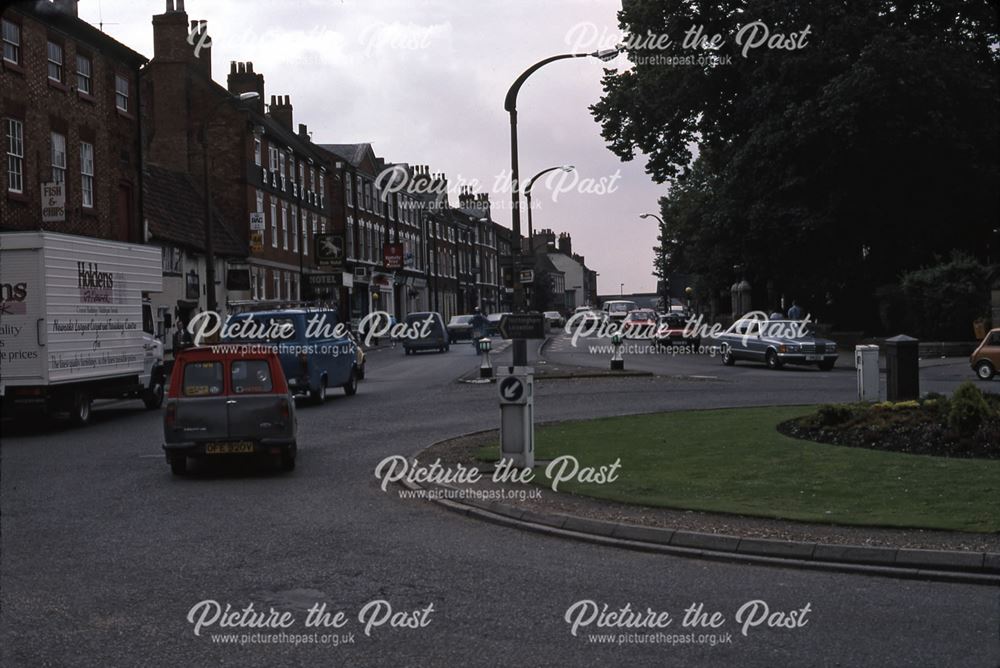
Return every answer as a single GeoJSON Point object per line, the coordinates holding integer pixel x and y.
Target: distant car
{"type": "Point", "coordinates": [235, 402]}
{"type": "Point", "coordinates": [589, 318]}
{"type": "Point", "coordinates": [986, 358]}
{"type": "Point", "coordinates": [776, 343]}
{"type": "Point", "coordinates": [435, 337]}
{"type": "Point", "coordinates": [460, 327]}
{"type": "Point", "coordinates": [554, 318]}
{"type": "Point", "coordinates": [670, 331]}
{"type": "Point", "coordinates": [493, 323]}
{"type": "Point", "coordinates": [618, 309]}
{"type": "Point", "coordinates": [639, 324]}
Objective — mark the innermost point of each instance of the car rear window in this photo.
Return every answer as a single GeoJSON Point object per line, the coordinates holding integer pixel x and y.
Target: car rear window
{"type": "Point", "coordinates": [202, 379]}
{"type": "Point", "coordinates": [251, 376]}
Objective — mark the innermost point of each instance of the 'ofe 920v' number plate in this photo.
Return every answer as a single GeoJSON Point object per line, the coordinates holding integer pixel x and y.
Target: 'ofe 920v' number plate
{"type": "Point", "coordinates": [229, 447]}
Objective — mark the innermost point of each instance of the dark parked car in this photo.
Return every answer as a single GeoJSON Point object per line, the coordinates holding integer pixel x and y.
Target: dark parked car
{"type": "Point", "coordinates": [776, 343]}
{"type": "Point", "coordinates": [225, 404]}
{"type": "Point", "coordinates": [429, 332]}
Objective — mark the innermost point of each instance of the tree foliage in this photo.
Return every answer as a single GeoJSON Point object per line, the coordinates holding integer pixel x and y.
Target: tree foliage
{"type": "Point", "coordinates": [825, 170]}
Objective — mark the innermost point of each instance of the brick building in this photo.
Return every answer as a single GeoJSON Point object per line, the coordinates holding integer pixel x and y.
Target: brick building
{"type": "Point", "coordinates": [69, 107]}
{"type": "Point", "coordinates": [255, 162]}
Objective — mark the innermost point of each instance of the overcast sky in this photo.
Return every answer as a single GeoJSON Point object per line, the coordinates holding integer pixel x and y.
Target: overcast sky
{"type": "Point", "coordinates": [424, 81]}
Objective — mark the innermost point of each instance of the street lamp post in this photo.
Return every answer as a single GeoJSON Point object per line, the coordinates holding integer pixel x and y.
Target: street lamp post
{"type": "Point", "coordinates": [527, 196]}
{"type": "Point", "coordinates": [210, 300]}
{"type": "Point", "coordinates": [664, 297]}
{"type": "Point", "coordinates": [520, 346]}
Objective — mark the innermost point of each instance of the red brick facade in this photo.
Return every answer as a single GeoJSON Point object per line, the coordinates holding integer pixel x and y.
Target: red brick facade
{"type": "Point", "coordinates": [47, 111]}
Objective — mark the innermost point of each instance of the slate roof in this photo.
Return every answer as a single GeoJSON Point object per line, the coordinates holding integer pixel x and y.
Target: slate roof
{"type": "Point", "coordinates": [352, 153]}
{"type": "Point", "coordinates": [174, 211]}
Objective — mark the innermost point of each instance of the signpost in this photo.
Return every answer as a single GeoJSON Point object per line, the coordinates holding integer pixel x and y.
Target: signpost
{"type": "Point", "coordinates": [522, 326]}
{"type": "Point", "coordinates": [330, 251]}
{"type": "Point", "coordinates": [53, 202]}
{"type": "Point", "coordinates": [256, 241]}
{"type": "Point", "coordinates": [527, 276]}
{"type": "Point", "coordinates": [257, 221]}
{"type": "Point", "coordinates": [392, 256]}
{"type": "Point", "coordinates": [515, 386]}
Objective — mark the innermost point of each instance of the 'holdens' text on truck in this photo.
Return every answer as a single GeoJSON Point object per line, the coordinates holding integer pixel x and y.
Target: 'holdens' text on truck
{"type": "Point", "coordinates": [74, 325]}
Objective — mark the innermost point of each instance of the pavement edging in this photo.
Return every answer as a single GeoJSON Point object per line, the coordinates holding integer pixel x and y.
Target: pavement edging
{"type": "Point", "coordinates": [907, 563]}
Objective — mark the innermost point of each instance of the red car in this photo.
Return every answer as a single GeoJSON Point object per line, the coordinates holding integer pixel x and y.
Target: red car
{"type": "Point", "coordinates": [639, 324]}
{"type": "Point", "coordinates": [223, 404]}
{"type": "Point", "coordinates": [670, 331]}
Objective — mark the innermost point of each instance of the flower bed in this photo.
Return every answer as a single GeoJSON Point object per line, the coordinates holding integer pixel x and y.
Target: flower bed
{"type": "Point", "coordinates": [967, 424]}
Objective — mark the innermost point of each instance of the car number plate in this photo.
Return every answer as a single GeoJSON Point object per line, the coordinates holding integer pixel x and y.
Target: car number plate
{"type": "Point", "coordinates": [813, 358]}
{"type": "Point", "coordinates": [227, 448]}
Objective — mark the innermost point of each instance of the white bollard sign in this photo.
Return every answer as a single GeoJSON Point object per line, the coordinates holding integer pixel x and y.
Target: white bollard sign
{"type": "Point", "coordinates": [515, 386]}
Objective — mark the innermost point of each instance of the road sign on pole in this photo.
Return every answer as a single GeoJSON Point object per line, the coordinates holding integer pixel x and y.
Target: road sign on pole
{"type": "Point", "coordinates": [330, 251]}
{"type": "Point", "coordinates": [522, 326]}
{"type": "Point", "coordinates": [515, 387]}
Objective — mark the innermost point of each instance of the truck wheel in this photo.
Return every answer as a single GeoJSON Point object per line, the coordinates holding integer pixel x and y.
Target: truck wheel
{"type": "Point", "coordinates": [79, 413]}
{"type": "Point", "coordinates": [153, 396]}
{"type": "Point", "coordinates": [178, 464]}
{"type": "Point", "coordinates": [351, 386]}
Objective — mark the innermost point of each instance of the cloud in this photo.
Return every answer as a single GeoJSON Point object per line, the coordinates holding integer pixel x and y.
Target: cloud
{"type": "Point", "coordinates": [424, 81]}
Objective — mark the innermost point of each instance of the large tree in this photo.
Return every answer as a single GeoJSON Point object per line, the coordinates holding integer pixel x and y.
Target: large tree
{"type": "Point", "coordinates": [830, 168]}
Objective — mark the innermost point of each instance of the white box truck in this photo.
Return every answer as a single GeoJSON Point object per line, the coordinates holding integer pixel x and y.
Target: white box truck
{"type": "Point", "coordinates": [75, 325]}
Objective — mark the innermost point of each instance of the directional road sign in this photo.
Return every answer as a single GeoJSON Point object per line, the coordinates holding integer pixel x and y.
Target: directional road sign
{"type": "Point", "coordinates": [522, 326]}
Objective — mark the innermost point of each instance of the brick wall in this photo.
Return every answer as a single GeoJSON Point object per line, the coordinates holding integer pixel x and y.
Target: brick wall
{"type": "Point", "coordinates": [45, 106]}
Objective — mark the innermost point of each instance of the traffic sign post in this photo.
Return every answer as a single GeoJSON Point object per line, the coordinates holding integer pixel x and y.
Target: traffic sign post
{"type": "Point", "coordinates": [522, 326]}
{"type": "Point", "coordinates": [515, 386]}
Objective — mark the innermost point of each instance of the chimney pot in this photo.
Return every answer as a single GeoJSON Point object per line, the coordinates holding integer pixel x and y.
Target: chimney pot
{"type": "Point", "coordinates": [180, 5]}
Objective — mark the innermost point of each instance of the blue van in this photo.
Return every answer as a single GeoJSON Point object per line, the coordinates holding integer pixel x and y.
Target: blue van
{"type": "Point", "coordinates": [316, 355]}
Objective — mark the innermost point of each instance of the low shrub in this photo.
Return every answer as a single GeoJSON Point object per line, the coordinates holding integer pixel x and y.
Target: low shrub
{"type": "Point", "coordinates": [968, 409]}
{"type": "Point", "coordinates": [831, 415]}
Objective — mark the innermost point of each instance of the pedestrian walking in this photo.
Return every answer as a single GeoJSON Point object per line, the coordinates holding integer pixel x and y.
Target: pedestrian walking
{"type": "Point", "coordinates": [795, 312]}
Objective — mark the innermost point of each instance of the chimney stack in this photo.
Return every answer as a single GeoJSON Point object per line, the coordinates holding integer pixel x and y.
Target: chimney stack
{"type": "Point", "coordinates": [170, 31]}
{"type": "Point", "coordinates": [566, 244]}
{"type": "Point", "coordinates": [281, 111]}
{"type": "Point", "coordinates": [201, 50]}
{"type": "Point", "coordinates": [242, 79]}
{"type": "Point", "coordinates": [66, 6]}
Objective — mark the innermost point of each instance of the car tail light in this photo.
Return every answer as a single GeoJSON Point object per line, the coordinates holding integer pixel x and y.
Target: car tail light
{"type": "Point", "coordinates": [171, 415]}
{"type": "Point", "coordinates": [283, 408]}
{"type": "Point", "coordinates": [304, 361]}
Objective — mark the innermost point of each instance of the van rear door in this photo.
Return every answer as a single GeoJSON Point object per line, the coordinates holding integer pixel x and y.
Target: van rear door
{"type": "Point", "coordinates": [258, 405]}
{"type": "Point", "coordinates": [201, 404]}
